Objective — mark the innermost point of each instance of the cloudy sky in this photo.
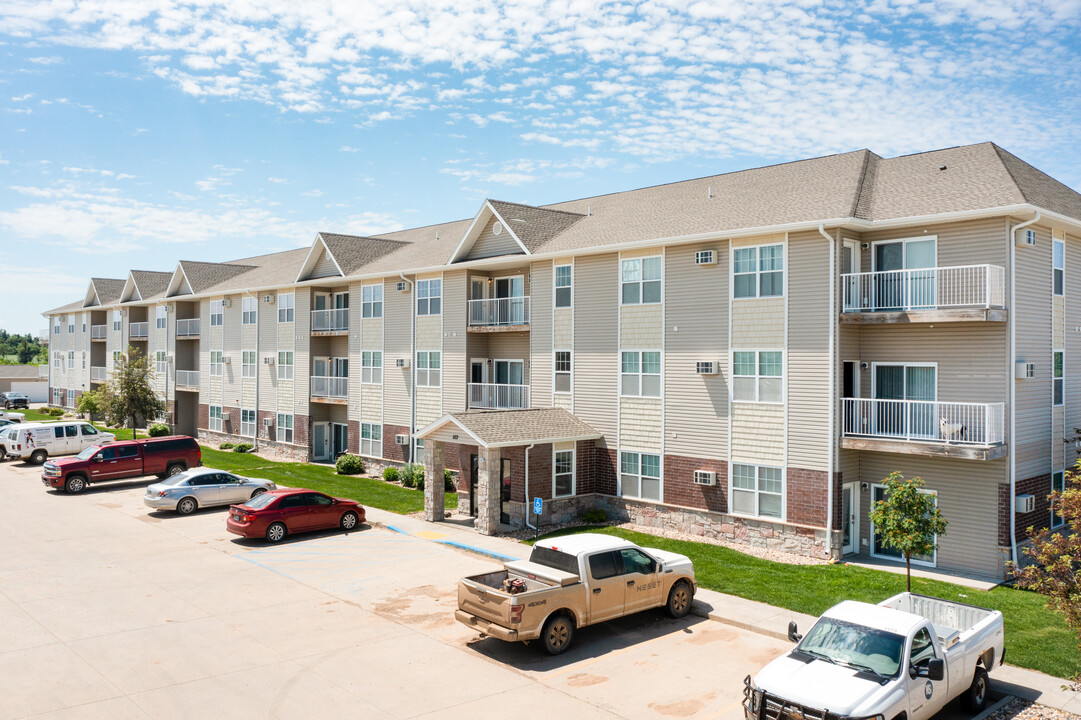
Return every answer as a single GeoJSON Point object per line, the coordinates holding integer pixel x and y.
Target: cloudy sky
{"type": "Point", "coordinates": [138, 132]}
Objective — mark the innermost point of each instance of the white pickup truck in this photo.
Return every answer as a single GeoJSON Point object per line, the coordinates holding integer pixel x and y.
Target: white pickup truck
{"type": "Point", "coordinates": [570, 582]}
{"type": "Point", "coordinates": [902, 659]}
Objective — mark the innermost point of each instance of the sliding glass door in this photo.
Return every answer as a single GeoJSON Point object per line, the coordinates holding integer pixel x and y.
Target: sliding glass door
{"type": "Point", "coordinates": [910, 392]}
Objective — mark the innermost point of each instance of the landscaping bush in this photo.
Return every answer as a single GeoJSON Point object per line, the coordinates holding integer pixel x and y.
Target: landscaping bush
{"type": "Point", "coordinates": [349, 465]}
{"type": "Point", "coordinates": [412, 476]}
{"type": "Point", "coordinates": [242, 448]}
{"type": "Point", "coordinates": [594, 516]}
{"type": "Point", "coordinates": [448, 482]}
{"type": "Point", "coordinates": [227, 446]}
{"type": "Point", "coordinates": [55, 412]}
{"type": "Point", "coordinates": [158, 430]}
{"type": "Point", "coordinates": [390, 474]}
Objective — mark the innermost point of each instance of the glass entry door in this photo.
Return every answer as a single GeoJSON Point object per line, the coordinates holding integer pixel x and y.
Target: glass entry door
{"type": "Point", "coordinates": [509, 372]}
{"type": "Point", "coordinates": [511, 292]}
{"type": "Point", "coordinates": [912, 290]}
{"type": "Point", "coordinates": [914, 388]}
{"type": "Point", "coordinates": [321, 441]}
{"type": "Point", "coordinates": [879, 549]}
{"type": "Point", "coordinates": [850, 518]}
{"type": "Point", "coordinates": [339, 439]}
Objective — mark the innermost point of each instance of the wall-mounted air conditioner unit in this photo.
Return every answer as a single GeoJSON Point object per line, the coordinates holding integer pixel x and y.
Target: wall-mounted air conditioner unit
{"type": "Point", "coordinates": [705, 367]}
{"type": "Point", "coordinates": [1024, 503]}
{"type": "Point", "coordinates": [225, 303]}
{"type": "Point", "coordinates": [225, 417]}
{"type": "Point", "coordinates": [705, 477]}
{"type": "Point", "coordinates": [267, 422]}
{"type": "Point", "coordinates": [402, 286]}
{"type": "Point", "coordinates": [401, 362]}
{"type": "Point", "coordinates": [1024, 370]}
{"type": "Point", "coordinates": [268, 360]}
{"type": "Point", "coordinates": [705, 257]}
{"type": "Point", "coordinates": [401, 439]}
{"type": "Point", "coordinates": [226, 360]}
{"type": "Point", "coordinates": [268, 298]}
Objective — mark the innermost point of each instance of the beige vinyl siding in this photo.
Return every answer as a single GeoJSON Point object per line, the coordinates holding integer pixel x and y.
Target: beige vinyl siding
{"type": "Point", "coordinates": [807, 359]}
{"type": "Point", "coordinates": [641, 327]}
{"type": "Point", "coordinates": [490, 245]}
{"type": "Point", "coordinates": [640, 424]}
{"type": "Point", "coordinates": [267, 331]}
{"type": "Point", "coordinates": [371, 332]}
{"type": "Point", "coordinates": [286, 333]}
{"type": "Point", "coordinates": [1033, 336]}
{"type": "Point", "coordinates": [324, 267]}
{"type": "Point", "coordinates": [974, 242]}
{"type": "Point", "coordinates": [641, 252]}
{"type": "Point", "coordinates": [397, 308]}
{"type": "Point", "coordinates": [249, 340]}
{"type": "Point", "coordinates": [563, 329]}
{"type": "Point", "coordinates": [540, 335]}
{"type": "Point", "coordinates": [371, 404]}
{"type": "Point", "coordinates": [302, 316]}
{"type": "Point", "coordinates": [231, 332]}
{"type": "Point", "coordinates": [759, 323]}
{"type": "Point", "coordinates": [1058, 332]}
{"type": "Point", "coordinates": [1058, 342]}
{"type": "Point", "coordinates": [1072, 414]}
{"type": "Point", "coordinates": [758, 434]}
{"type": "Point", "coordinates": [563, 400]}
{"type": "Point", "coordinates": [696, 329]}
{"type": "Point", "coordinates": [429, 405]}
{"type": "Point", "coordinates": [429, 332]}
{"type": "Point", "coordinates": [209, 389]}
{"type": "Point", "coordinates": [455, 363]}
{"type": "Point", "coordinates": [848, 463]}
{"type": "Point", "coordinates": [763, 240]}
{"type": "Point", "coordinates": [596, 368]}
{"type": "Point", "coordinates": [353, 345]}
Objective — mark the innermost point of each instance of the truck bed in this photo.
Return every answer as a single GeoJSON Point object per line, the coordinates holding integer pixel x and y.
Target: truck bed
{"type": "Point", "coordinates": [951, 620]}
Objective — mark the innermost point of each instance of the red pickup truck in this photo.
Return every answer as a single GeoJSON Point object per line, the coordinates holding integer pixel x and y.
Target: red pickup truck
{"type": "Point", "coordinates": [121, 460]}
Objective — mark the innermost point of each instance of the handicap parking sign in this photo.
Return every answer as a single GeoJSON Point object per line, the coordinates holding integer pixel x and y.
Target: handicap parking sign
{"type": "Point", "coordinates": [536, 506]}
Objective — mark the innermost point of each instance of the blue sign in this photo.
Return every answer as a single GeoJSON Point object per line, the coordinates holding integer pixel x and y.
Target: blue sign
{"type": "Point", "coordinates": [536, 506]}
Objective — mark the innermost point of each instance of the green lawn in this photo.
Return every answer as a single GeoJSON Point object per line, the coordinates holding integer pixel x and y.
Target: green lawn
{"type": "Point", "coordinates": [1036, 637]}
{"type": "Point", "coordinates": [35, 415]}
{"type": "Point", "coordinates": [368, 491]}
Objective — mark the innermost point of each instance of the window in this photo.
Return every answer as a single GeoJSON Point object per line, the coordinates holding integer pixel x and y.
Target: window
{"type": "Point", "coordinates": [371, 367]}
{"type": "Point", "coordinates": [429, 297]}
{"type": "Point", "coordinates": [879, 549]}
{"type": "Point", "coordinates": [116, 358]}
{"type": "Point", "coordinates": [563, 371]}
{"type": "Point", "coordinates": [161, 312]}
{"type": "Point", "coordinates": [923, 650]}
{"type": "Point", "coordinates": [641, 281]}
{"type": "Point", "coordinates": [757, 376]}
{"type": "Point", "coordinates": [758, 271]}
{"type": "Point", "coordinates": [1058, 381]}
{"type": "Point", "coordinates": [160, 363]}
{"type": "Point", "coordinates": [285, 307]}
{"type": "Point", "coordinates": [56, 324]}
{"type": "Point", "coordinates": [605, 565]}
{"type": "Point", "coordinates": [428, 369]}
{"type": "Point", "coordinates": [57, 360]}
{"type": "Point", "coordinates": [1059, 264]}
{"type": "Point", "coordinates": [1058, 485]}
{"type": "Point", "coordinates": [85, 315]}
{"type": "Point", "coordinates": [71, 403]}
{"type": "Point", "coordinates": [285, 427]}
{"type": "Point", "coordinates": [564, 277]}
{"type": "Point", "coordinates": [84, 359]}
{"type": "Point", "coordinates": [371, 440]}
{"type": "Point", "coordinates": [71, 359]}
{"type": "Point", "coordinates": [636, 561]}
{"type": "Point", "coordinates": [247, 363]}
{"type": "Point", "coordinates": [563, 473]}
{"type": "Point", "coordinates": [757, 490]}
{"type": "Point", "coordinates": [248, 308]}
{"type": "Point", "coordinates": [216, 313]}
{"type": "Point", "coordinates": [71, 324]}
{"type": "Point", "coordinates": [641, 374]}
{"type": "Point", "coordinates": [640, 476]}
{"type": "Point", "coordinates": [88, 430]}
{"type": "Point", "coordinates": [285, 364]}
{"type": "Point", "coordinates": [371, 301]}
{"type": "Point", "coordinates": [215, 417]}
{"type": "Point", "coordinates": [57, 394]}
{"type": "Point", "coordinates": [216, 363]}
{"type": "Point", "coordinates": [247, 422]}
{"type": "Point", "coordinates": [418, 451]}
{"type": "Point", "coordinates": [118, 320]}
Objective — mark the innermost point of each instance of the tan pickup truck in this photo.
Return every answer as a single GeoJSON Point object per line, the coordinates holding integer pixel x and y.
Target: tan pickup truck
{"type": "Point", "coordinates": [570, 582]}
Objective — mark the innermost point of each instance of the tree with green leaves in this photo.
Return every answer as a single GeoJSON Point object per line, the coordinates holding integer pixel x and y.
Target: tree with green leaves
{"type": "Point", "coordinates": [908, 519]}
{"type": "Point", "coordinates": [89, 403]}
{"type": "Point", "coordinates": [129, 393]}
{"type": "Point", "coordinates": [26, 353]}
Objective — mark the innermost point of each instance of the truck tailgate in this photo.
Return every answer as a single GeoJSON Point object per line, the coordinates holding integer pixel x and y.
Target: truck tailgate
{"type": "Point", "coordinates": [477, 598]}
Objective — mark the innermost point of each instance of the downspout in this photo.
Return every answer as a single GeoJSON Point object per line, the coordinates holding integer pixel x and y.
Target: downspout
{"type": "Point", "coordinates": [257, 423]}
{"type": "Point", "coordinates": [1013, 383]}
{"type": "Point", "coordinates": [531, 527]}
{"type": "Point", "coordinates": [833, 400]}
{"type": "Point", "coordinates": [413, 368]}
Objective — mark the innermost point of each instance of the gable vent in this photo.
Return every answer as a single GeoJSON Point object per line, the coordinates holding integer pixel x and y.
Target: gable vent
{"type": "Point", "coordinates": [497, 228]}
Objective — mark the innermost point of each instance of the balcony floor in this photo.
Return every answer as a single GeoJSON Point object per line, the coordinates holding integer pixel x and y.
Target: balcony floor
{"type": "Point", "coordinates": [931, 448]}
{"type": "Point", "coordinates": [330, 333]}
{"type": "Point", "coordinates": [523, 327]}
{"type": "Point", "coordinates": [912, 317]}
{"type": "Point", "coordinates": [187, 388]}
{"type": "Point", "coordinates": [330, 400]}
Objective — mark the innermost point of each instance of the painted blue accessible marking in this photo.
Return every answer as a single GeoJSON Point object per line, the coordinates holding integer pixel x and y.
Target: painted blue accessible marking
{"type": "Point", "coordinates": [477, 550]}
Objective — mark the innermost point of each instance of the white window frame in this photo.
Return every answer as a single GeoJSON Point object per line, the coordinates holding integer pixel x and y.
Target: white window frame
{"type": "Point", "coordinates": [214, 421]}
{"type": "Point", "coordinates": [640, 374]}
{"type": "Point", "coordinates": [889, 558]}
{"type": "Point", "coordinates": [371, 440]}
{"type": "Point", "coordinates": [249, 359]}
{"type": "Point", "coordinates": [425, 379]}
{"type": "Point", "coordinates": [249, 310]}
{"type": "Point", "coordinates": [1058, 379]}
{"type": "Point", "coordinates": [118, 320]}
{"type": "Point", "coordinates": [286, 307]}
{"type": "Point", "coordinates": [161, 362]}
{"type": "Point", "coordinates": [371, 367]}
{"type": "Point", "coordinates": [57, 396]}
{"type": "Point", "coordinates": [161, 317]}
{"type": "Point", "coordinates": [758, 376]}
{"type": "Point", "coordinates": [217, 363]}
{"type": "Point", "coordinates": [641, 281]}
{"type": "Point", "coordinates": [71, 398]}
{"type": "Point", "coordinates": [639, 476]}
{"type": "Point", "coordinates": [418, 449]}
{"type": "Point", "coordinates": [569, 372]}
{"type": "Point", "coordinates": [1058, 268]}
{"type": "Point", "coordinates": [429, 293]}
{"type": "Point", "coordinates": [757, 272]}
{"type": "Point", "coordinates": [116, 357]}
{"type": "Point", "coordinates": [283, 430]}
{"type": "Point", "coordinates": [58, 360]}
{"type": "Point", "coordinates": [217, 313]}
{"type": "Point", "coordinates": [758, 491]}
{"type": "Point", "coordinates": [247, 422]}
{"type": "Point", "coordinates": [573, 473]}
{"type": "Point", "coordinates": [569, 286]}
{"type": "Point", "coordinates": [57, 324]}
{"type": "Point", "coordinates": [371, 307]}
{"type": "Point", "coordinates": [1057, 520]}
{"type": "Point", "coordinates": [71, 359]}
{"type": "Point", "coordinates": [285, 364]}
{"type": "Point", "coordinates": [85, 316]}
{"type": "Point", "coordinates": [71, 324]}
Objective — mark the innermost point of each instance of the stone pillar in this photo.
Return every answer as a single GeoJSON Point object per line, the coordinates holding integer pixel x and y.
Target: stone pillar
{"type": "Point", "coordinates": [488, 489]}
{"type": "Point", "coordinates": [433, 481]}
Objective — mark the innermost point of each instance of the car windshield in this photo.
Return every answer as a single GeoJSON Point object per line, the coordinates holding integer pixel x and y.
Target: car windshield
{"type": "Point", "coordinates": [854, 645]}
{"type": "Point", "coordinates": [88, 453]}
{"type": "Point", "coordinates": [260, 501]}
{"type": "Point", "coordinates": [178, 479]}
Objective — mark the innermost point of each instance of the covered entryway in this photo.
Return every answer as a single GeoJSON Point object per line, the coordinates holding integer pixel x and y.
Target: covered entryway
{"type": "Point", "coordinates": [493, 432]}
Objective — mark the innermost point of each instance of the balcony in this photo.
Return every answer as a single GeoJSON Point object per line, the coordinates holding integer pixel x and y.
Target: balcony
{"type": "Point", "coordinates": [187, 380]}
{"type": "Point", "coordinates": [499, 314]}
{"type": "Point", "coordinates": [330, 389]}
{"type": "Point", "coordinates": [138, 330]}
{"type": "Point", "coordinates": [187, 328]}
{"type": "Point", "coordinates": [97, 374]}
{"type": "Point", "coordinates": [43, 336]}
{"type": "Point", "coordinates": [963, 293]}
{"type": "Point", "coordinates": [492, 396]}
{"type": "Point", "coordinates": [971, 431]}
{"type": "Point", "coordinates": [330, 322]}
{"type": "Point", "coordinates": [99, 332]}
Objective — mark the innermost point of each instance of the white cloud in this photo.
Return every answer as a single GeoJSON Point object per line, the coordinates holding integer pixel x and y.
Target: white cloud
{"type": "Point", "coordinates": [314, 193]}
{"type": "Point", "coordinates": [348, 149]}
{"type": "Point", "coordinates": [277, 180]}
{"type": "Point", "coordinates": [22, 98]}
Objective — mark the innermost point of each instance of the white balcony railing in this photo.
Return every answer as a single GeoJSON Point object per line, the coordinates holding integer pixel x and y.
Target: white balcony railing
{"type": "Point", "coordinates": [330, 320]}
{"type": "Point", "coordinates": [332, 387]}
{"type": "Point", "coordinates": [494, 396]}
{"type": "Point", "coordinates": [924, 421]}
{"type": "Point", "coordinates": [499, 311]}
{"type": "Point", "coordinates": [976, 286]}
{"type": "Point", "coordinates": [43, 336]}
{"type": "Point", "coordinates": [98, 332]}
{"type": "Point", "coordinates": [187, 327]}
{"type": "Point", "coordinates": [97, 374]}
{"type": "Point", "coordinates": [138, 330]}
{"type": "Point", "coordinates": [187, 378]}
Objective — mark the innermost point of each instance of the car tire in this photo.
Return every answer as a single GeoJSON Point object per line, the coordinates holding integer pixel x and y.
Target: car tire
{"type": "Point", "coordinates": [174, 469]}
{"type": "Point", "coordinates": [276, 532]}
{"type": "Point", "coordinates": [258, 492]}
{"type": "Point", "coordinates": [557, 633]}
{"type": "Point", "coordinates": [679, 599]}
{"type": "Point", "coordinates": [75, 484]}
{"type": "Point", "coordinates": [975, 698]}
{"type": "Point", "coordinates": [187, 506]}
{"type": "Point", "coordinates": [38, 457]}
{"type": "Point", "coordinates": [349, 521]}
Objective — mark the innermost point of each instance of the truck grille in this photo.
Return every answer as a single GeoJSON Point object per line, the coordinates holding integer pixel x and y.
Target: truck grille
{"type": "Point", "coordinates": [777, 709]}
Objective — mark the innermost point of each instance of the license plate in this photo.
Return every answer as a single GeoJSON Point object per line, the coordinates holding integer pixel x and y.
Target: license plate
{"type": "Point", "coordinates": [237, 518]}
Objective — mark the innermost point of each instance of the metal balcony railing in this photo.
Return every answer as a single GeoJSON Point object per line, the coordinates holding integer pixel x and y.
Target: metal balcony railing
{"type": "Point", "coordinates": [973, 286]}
{"type": "Point", "coordinates": [330, 320]}
{"type": "Point", "coordinates": [98, 332]}
{"type": "Point", "coordinates": [187, 327]}
{"type": "Point", "coordinates": [187, 378]}
{"type": "Point", "coordinates": [499, 311]}
{"type": "Point", "coordinates": [330, 387]}
{"type": "Point", "coordinates": [97, 374]}
{"type": "Point", "coordinates": [494, 396]}
{"type": "Point", "coordinates": [924, 421]}
{"type": "Point", "coordinates": [138, 330]}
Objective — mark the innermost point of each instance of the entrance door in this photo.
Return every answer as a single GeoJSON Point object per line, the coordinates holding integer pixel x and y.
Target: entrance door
{"type": "Point", "coordinates": [879, 549]}
{"type": "Point", "coordinates": [473, 482]}
{"type": "Point", "coordinates": [321, 301]}
{"type": "Point", "coordinates": [320, 366]}
{"type": "Point", "coordinates": [916, 386]}
{"type": "Point", "coordinates": [504, 490]}
{"type": "Point", "coordinates": [511, 291]}
{"type": "Point", "coordinates": [339, 439]}
{"type": "Point", "coordinates": [321, 441]}
{"type": "Point", "coordinates": [850, 518]}
{"type": "Point", "coordinates": [896, 290]}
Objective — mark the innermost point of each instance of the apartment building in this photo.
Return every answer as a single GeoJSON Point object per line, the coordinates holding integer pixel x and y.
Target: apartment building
{"type": "Point", "coordinates": [744, 356]}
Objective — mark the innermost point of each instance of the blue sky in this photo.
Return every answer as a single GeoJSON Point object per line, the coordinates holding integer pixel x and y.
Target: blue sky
{"type": "Point", "coordinates": [135, 134]}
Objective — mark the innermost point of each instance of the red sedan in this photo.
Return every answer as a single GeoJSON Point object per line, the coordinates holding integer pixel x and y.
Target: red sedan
{"type": "Point", "coordinates": [273, 515]}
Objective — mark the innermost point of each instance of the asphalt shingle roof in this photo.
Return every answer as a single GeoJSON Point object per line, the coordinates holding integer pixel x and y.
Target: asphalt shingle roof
{"type": "Point", "coordinates": [521, 427]}
{"type": "Point", "coordinates": [151, 283]}
{"type": "Point", "coordinates": [534, 226]}
{"type": "Point", "coordinates": [353, 252]}
{"type": "Point", "coordinates": [108, 289]}
{"type": "Point", "coordinates": [203, 275]}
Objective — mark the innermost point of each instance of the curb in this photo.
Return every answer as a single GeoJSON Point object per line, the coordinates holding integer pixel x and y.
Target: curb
{"type": "Point", "coordinates": [700, 609]}
{"type": "Point", "coordinates": [991, 709]}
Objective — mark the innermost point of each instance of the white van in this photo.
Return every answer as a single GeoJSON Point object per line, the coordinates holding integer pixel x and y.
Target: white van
{"type": "Point", "coordinates": [37, 442]}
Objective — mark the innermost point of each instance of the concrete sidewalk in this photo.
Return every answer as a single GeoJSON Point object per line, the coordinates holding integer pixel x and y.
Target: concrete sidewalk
{"type": "Point", "coordinates": [728, 609]}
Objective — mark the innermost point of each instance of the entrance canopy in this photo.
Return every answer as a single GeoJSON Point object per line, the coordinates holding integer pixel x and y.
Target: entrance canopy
{"type": "Point", "coordinates": [508, 428]}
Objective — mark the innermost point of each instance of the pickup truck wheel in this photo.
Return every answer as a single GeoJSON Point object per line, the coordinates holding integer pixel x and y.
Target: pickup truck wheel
{"type": "Point", "coordinates": [557, 634]}
{"type": "Point", "coordinates": [679, 599]}
{"type": "Point", "coordinates": [38, 457]}
{"type": "Point", "coordinates": [975, 698]}
{"type": "Point", "coordinates": [187, 506]}
{"type": "Point", "coordinates": [349, 521]}
{"type": "Point", "coordinates": [275, 533]}
{"type": "Point", "coordinates": [75, 484]}
{"type": "Point", "coordinates": [174, 469]}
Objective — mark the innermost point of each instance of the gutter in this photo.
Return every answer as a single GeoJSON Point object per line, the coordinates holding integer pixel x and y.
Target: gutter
{"type": "Point", "coordinates": [531, 527]}
{"type": "Point", "coordinates": [412, 368]}
{"type": "Point", "coordinates": [1013, 382]}
{"type": "Point", "coordinates": [832, 382]}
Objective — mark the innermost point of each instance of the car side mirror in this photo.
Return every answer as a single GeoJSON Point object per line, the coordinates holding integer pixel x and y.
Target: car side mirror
{"type": "Point", "coordinates": [936, 669]}
{"type": "Point", "coordinates": [793, 635]}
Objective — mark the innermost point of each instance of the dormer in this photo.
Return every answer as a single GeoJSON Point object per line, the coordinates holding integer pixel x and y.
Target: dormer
{"type": "Point", "coordinates": [503, 228]}
{"type": "Point", "coordinates": [333, 255]}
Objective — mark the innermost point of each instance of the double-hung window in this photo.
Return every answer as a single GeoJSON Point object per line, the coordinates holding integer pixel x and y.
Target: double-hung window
{"type": "Point", "coordinates": [71, 398]}
{"type": "Point", "coordinates": [640, 476]}
{"type": "Point", "coordinates": [564, 278]}
{"type": "Point", "coordinates": [562, 473]}
{"type": "Point", "coordinates": [1058, 389]}
{"type": "Point", "coordinates": [161, 312]}
{"type": "Point", "coordinates": [371, 301]}
{"type": "Point", "coordinates": [161, 365]}
{"type": "Point", "coordinates": [118, 320]}
{"type": "Point", "coordinates": [1058, 257]}
{"type": "Point", "coordinates": [371, 367]}
{"type": "Point", "coordinates": [371, 439]}
{"type": "Point", "coordinates": [757, 490]}
{"type": "Point", "coordinates": [216, 363]}
{"type": "Point", "coordinates": [641, 374]}
{"type": "Point", "coordinates": [285, 365]}
{"type": "Point", "coordinates": [71, 359]}
{"type": "Point", "coordinates": [84, 321]}
{"type": "Point", "coordinates": [71, 324]}
{"type": "Point", "coordinates": [56, 326]}
{"type": "Point", "coordinates": [215, 418]}
{"type": "Point", "coordinates": [562, 371]}
{"type": "Point", "coordinates": [429, 296]}
{"type": "Point", "coordinates": [428, 369]}
{"type": "Point", "coordinates": [285, 427]}
{"type": "Point", "coordinates": [641, 281]}
{"type": "Point", "coordinates": [758, 271]}
{"type": "Point", "coordinates": [84, 359]}
{"type": "Point", "coordinates": [247, 363]}
{"type": "Point", "coordinates": [58, 360]}
{"type": "Point", "coordinates": [217, 313]}
{"type": "Point", "coordinates": [286, 302]}
{"type": "Point", "coordinates": [1058, 485]}
{"type": "Point", "coordinates": [247, 423]}
{"type": "Point", "coordinates": [248, 308]}
{"type": "Point", "coordinates": [757, 376]}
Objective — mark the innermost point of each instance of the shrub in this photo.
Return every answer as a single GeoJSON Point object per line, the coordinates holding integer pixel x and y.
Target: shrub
{"type": "Point", "coordinates": [349, 465]}
{"type": "Point", "coordinates": [412, 475]}
{"type": "Point", "coordinates": [390, 474]}
{"type": "Point", "coordinates": [227, 446]}
{"type": "Point", "coordinates": [242, 448]}
{"type": "Point", "coordinates": [55, 412]}
{"type": "Point", "coordinates": [448, 482]}
{"type": "Point", "coordinates": [158, 430]}
{"type": "Point", "coordinates": [594, 516]}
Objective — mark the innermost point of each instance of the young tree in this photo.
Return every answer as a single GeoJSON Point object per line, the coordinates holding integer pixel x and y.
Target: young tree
{"type": "Point", "coordinates": [129, 393]}
{"type": "Point", "coordinates": [89, 404]}
{"type": "Point", "coordinates": [908, 520]}
{"type": "Point", "coordinates": [25, 353]}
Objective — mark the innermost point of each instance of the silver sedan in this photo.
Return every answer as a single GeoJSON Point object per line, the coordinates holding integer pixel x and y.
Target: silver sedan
{"type": "Point", "coordinates": [203, 487]}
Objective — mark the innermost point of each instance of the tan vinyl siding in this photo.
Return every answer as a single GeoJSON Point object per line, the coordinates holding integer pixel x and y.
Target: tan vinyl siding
{"type": "Point", "coordinates": [397, 307]}
{"type": "Point", "coordinates": [641, 327]}
{"type": "Point", "coordinates": [563, 400]}
{"type": "Point", "coordinates": [371, 404]}
{"type": "Point", "coordinates": [324, 266]}
{"type": "Point", "coordinates": [563, 330]}
{"type": "Point", "coordinates": [354, 349]}
{"type": "Point", "coordinates": [1072, 344]}
{"type": "Point", "coordinates": [267, 331]}
{"type": "Point", "coordinates": [540, 335]}
{"type": "Point", "coordinates": [429, 332]}
{"type": "Point", "coordinates": [371, 332]}
{"type": "Point", "coordinates": [455, 365]}
{"type": "Point", "coordinates": [249, 339]}
{"type": "Point", "coordinates": [491, 245]}
{"type": "Point", "coordinates": [758, 323]}
{"type": "Point", "coordinates": [1033, 335]}
{"type": "Point", "coordinates": [758, 434]}
{"type": "Point", "coordinates": [596, 371]}
{"type": "Point", "coordinates": [231, 373]}
{"type": "Point", "coordinates": [640, 424]}
{"type": "Point", "coordinates": [696, 328]}
{"type": "Point", "coordinates": [286, 342]}
{"type": "Point", "coordinates": [763, 240]}
{"type": "Point", "coordinates": [429, 405]}
{"type": "Point", "coordinates": [641, 252]}
{"type": "Point", "coordinates": [510, 346]}
{"type": "Point", "coordinates": [807, 359]}
{"type": "Point", "coordinates": [848, 463]}
{"type": "Point", "coordinates": [302, 354]}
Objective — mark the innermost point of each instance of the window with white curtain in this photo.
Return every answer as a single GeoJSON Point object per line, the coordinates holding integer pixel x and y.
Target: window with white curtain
{"type": "Point", "coordinates": [757, 490]}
